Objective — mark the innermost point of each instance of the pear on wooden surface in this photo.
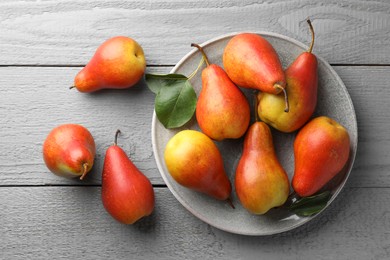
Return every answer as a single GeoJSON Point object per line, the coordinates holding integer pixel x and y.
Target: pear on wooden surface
{"type": "Point", "coordinates": [127, 193]}
{"type": "Point", "coordinates": [69, 151]}
{"type": "Point", "coordinates": [261, 182]}
{"type": "Point", "coordinates": [302, 84]}
{"type": "Point", "coordinates": [321, 150]}
{"type": "Point", "coordinates": [222, 110]}
{"type": "Point", "coordinates": [252, 62]}
{"type": "Point", "coordinates": [118, 63]}
{"type": "Point", "coordinates": [194, 161]}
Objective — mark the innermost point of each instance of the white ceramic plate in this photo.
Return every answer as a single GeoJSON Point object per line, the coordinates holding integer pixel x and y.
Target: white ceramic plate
{"type": "Point", "coordinates": [333, 101]}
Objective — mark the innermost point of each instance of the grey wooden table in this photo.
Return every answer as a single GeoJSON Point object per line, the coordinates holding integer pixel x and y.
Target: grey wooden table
{"type": "Point", "coordinates": [43, 44]}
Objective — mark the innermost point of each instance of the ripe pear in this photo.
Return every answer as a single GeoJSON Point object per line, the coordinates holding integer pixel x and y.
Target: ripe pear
{"type": "Point", "coordinates": [261, 182]}
{"type": "Point", "coordinates": [321, 149]}
{"type": "Point", "coordinates": [302, 82]}
{"type": "Point", "coordinates": [194, 161]}
{"type": "Point", "coordinates": [252, 62]}
{"type": "Point", "coordinates": [118, 63]}
{"type": "Point", "coordinates": [127, 193]}
{"type": "Point", "coordinates": [222, 110]}
{"type": "Point", "coordinates": [69, 151]}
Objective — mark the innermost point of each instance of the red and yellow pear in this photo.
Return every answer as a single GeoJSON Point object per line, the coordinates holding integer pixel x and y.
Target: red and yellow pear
{"type": "Point", "coordinates": [251, 61]}
{"type": "Point", "coordinates": [69, 151]}
{"type": "Point", "coordinates": [222, 110]}
{"type": "Point", "coordinates": [302, 84]}
{"type": "Point", "coordinates": [261, 182]}
{"type": "Point", "coordinates": [194, 161]}
{"type": "Point", "coordinates": [118, 63]}
{"type": "Point", "coordinates": [321, 150]}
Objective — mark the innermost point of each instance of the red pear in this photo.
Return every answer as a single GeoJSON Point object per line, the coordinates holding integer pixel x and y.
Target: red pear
{"type": "Point", "coordinates": [321, 149]}
{"type": "Point", "coordinates": [302, 81]}
{"type": "Point", "coordinates": [69, 151]}
{"type": "Point", "coordinates": [127, 193]}
{"type": "Point", "coordinates": [118, 63]}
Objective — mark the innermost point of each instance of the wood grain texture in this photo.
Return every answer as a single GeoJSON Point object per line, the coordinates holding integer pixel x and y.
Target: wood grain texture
{"type": "Point", "coordinates": [38, 99]}
{"type": "Point", "coordinates": [68, 32]}
{"type": "Point", "coordinates": [45, 43]}
{"type": "Point", "coordinates": [370, 99]}
{"type": "Point", "coordinates": [71, 223]}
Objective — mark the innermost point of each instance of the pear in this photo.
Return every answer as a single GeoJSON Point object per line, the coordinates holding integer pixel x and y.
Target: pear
{"type": "Point", "coordinates": [127, 193]}
{"type": "Point", "coordinates": [252, 62]}
{"type": "Point", "coordinates": [302, 84]}
{"type": "Point", "coordinates": [194, 161]}
{"type": "Point", "coordinates": [118, 63]}
{"type": "Point", "coordinates": [321, 150]}
{"type": "Point", "coordinates": [222, 110]}
{"type": "Point", "coordinates": [261, 182]}
{"type": "Point", "coordinates": [69, 151]}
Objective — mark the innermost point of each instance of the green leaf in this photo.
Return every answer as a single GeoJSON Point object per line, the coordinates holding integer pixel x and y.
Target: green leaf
{"type": "Point", "coordinates": [155, 82]}
{"type": "Point", "coordinates": [308, 206]}
{"type": "Point", "coordinates": [309, 210]}
{"type": "Point", "coordinates": [175, 103]}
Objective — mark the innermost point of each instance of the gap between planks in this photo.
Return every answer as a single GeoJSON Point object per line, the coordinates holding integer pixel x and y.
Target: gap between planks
{"type": "Point", "coordinates": [172, 65]}
{"type": "Point", "coordinates": [156, 186]}
{"type": "Point", "coordinates": [72, 66]}
{"type": "Point", "coordinates": [66, 185]}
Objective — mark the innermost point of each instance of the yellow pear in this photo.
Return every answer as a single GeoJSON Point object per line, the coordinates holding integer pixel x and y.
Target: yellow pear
{"type": "Point", "coordinates": [194, 161]}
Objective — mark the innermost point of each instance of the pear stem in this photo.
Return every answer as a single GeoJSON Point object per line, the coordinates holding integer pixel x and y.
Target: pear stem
{"type": "Point", "coordinates": [72, 87]}
{"type": "Point", "coordinates": [312, 36]}
{"type": "Point", "coordinates": [201, 51]}
{"type": "Point", "coordinates": [229, 201]}
{"type": "Point", "coordinates": [85, 168]}
{"type": "Point", "coordinates": [287, 105]}
{"type": "Point", "coordinates": [116, 136]}
{"type": "Point", "coordinates": [197, 68]}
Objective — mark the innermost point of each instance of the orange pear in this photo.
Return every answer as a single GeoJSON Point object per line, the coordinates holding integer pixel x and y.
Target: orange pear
{"type": "Point", "coordinates": [222, 110]}
{"type": "Point", "coordinates": [252, 62]}
{"type": "Point", "coordinates": [118, 63]}
{"type": "Point", "coordinates": [261, 182]}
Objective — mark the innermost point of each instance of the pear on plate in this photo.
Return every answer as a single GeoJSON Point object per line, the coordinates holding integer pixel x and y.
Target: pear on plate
{"type": "Point", "coordinates": [302, 84]}
{"type": "Point", "coordinates": [321, 150]}
{"type": "Point", "coordinates": [251, 61]}
{"type": "Point", "coordinates": [194, 161]}
{"type": "Point", "coordinates": [222, 110]}
{"type": "Point", "coordinates": [261, 182]}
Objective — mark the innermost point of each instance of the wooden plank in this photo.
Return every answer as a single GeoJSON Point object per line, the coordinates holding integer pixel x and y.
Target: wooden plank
{"type": "Point", "coordinates": [57, 33]}
{"type": "Point", "coordinates": [34, 100]}
{"type": "Point", "coordinates": [40, 99]}
{"type": "Point", "coordinates": [71, 223]}
{"type": "Point", "coordinates": [365, 85]}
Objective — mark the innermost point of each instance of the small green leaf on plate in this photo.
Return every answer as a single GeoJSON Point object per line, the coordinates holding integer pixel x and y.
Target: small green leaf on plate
{"type": "Point", "coordinates": [309, 210]}
{"type": "Point", "coordinates": [308, 206]}
{"type": "Point", "coordinates": [175, 103]}
{"type": "Point", "coordinates": [155, 81]}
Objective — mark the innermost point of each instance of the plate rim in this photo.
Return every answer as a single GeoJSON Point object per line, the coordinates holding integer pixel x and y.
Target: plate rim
{"type": "Point", "coordinates": [351, 159]}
